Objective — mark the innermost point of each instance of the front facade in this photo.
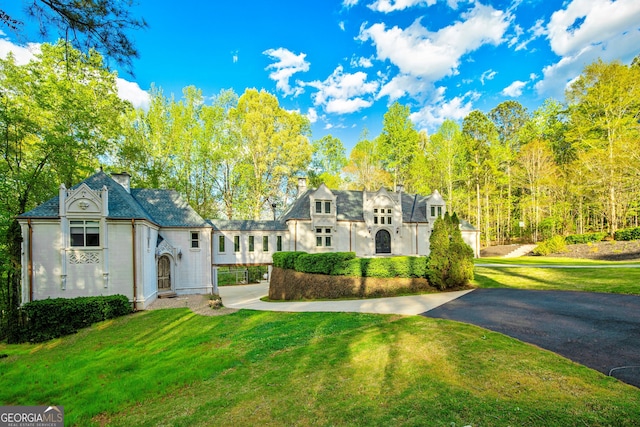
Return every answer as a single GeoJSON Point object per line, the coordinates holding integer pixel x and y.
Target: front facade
{"type": "Point", "coordinates": [102, 238]}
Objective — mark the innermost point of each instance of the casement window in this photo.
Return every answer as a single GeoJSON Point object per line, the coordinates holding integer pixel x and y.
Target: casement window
{"type": "Point", "coordinates": [323, 237]}
{"type": "Point", "coordinates": [433, 210]}
{"type": "Point", "coordinates": [382, 216]}
{"type": "Point", "coordinates": [85, 233]}
{"type": "Point", "coordinates": [236, 243]}
{"type": "Point", "coordinates": [279, 243]}
{"type": "Point", "coordinates": [221, 241]}
{"type": "Point", "coordinates": [251, 243]}
{"type": "Point", "coordinates": [265, 243]}
{"type": "Point", "coordinates": [320, 204]}
{"type": "Point", "coordinates": [195, 240]}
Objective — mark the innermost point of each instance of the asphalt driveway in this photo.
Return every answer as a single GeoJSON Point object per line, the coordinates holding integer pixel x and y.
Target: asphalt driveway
{"type": "Point", "coordinates": [601, 331]}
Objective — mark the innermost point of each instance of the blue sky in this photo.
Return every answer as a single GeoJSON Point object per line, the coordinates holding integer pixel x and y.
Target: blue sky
{"type": "Point", "coordinates": [343, 62]}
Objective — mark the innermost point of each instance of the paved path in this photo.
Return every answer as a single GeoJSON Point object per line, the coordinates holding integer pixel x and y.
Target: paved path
{"type": "Point", "coordinates": [248, 296]}
{"type": "Point", "coordinates": [601, 331]}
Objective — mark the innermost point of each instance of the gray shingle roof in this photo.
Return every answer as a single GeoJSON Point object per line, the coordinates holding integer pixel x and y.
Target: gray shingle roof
{"type": "Point", "coordinates": [163, 207]}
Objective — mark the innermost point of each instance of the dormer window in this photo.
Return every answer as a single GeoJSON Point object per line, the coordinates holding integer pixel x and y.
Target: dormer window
{"type": "Point", "coordinates": [85, 233]}
{"type": "Point", "coordinates": [434, 209]}
{"type": "Point", "coordinates": [320, 204]}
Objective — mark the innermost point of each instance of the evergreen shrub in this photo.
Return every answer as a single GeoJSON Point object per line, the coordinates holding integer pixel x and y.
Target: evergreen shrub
{"type": "Point", "coordinates": [53, 318]}
{"type": "Point", "coordinates": [627, 234]}
{"type": "Point", "coordinates": [451, 259]}
{"type": "Point", "coordinates": [574, 239]}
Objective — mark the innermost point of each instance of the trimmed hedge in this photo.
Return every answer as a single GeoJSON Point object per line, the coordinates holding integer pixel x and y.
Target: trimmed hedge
{"type": "Point", "coordinates": [399, 266]}
{"type": "Point", "coordinates": [324, 263]}
{"type": "Point", "coordinates": [53, 318]}
{"type": "Point", "coordinates": [286, 259]}
{"type": "Point", "coordinates": [627, 234]}
{"type": "Point", "coordinates": [574, 239]}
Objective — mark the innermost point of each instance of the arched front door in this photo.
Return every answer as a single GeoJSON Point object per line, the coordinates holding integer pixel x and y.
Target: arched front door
{"type": "Point", "coordinates": [164, 274]}
{"type": "Point", "coordinates": [383, 242]}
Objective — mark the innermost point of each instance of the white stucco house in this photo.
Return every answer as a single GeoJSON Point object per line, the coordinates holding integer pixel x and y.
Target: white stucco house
{"type": "Point", "coordinates": [101, 237]}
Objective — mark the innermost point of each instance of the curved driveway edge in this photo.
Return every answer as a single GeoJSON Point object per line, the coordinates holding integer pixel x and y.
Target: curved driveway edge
{"type": "Point", "coordinates": [248, 297]}
{"type": "Point", "coordinates": [598, 330]}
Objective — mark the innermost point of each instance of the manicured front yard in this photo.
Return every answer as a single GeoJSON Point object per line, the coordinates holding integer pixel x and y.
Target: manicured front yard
{"type": "Point", "coordinates": [622, 280]}
{"type": "Point", "coordinates": [173, 367]}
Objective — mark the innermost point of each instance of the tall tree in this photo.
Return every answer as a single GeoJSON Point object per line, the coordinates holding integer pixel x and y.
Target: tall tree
{"type": "Point", "coordinates": [445, 153]}
{"type": "Point", "coordinates": [96, 24]}
{"type": "Point", "coordinates": [398, 142]}
{"type": "Point", "coordinates": [364, 169]}
{"type": "Point", "coordinates": [329, 158]}
{"type": "Point", "coordinates": [277, 146]}
{"type": "Point", "coordinates": [604, 108]}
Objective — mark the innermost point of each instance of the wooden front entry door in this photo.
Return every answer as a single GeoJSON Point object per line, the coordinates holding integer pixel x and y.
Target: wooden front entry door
{"type": "Point", "coordinates": [164, 274]}
{"type": "Point", "coordinates": [383, 242]}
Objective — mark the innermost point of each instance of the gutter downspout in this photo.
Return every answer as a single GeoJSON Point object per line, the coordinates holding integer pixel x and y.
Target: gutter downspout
{"type": "Point", "coordinates": [133, 254]}
{"type": "Point", "coordinates": [30, 261]}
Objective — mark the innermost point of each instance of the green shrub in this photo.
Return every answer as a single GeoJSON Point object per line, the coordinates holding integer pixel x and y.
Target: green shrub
{"type": "Point", "coordinates": [627, 234]}
{"type": "Point", "coordinates": [388, 267]}
{"type": "Point", "coordinates": [52, 318]}
{"type": "Point", "coordinates": [286, 260]}
{"type": "Point", "coordinates": [554, 245]}
{"type": "Point", "coordinates": [323, 263]}
{"type": "Point", "coordinates": [451, 259]}
{"type": "Point", "coordinates": [574, 239]}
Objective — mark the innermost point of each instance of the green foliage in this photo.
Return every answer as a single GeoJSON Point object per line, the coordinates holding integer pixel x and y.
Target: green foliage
{"type": "Point", "coordinates": [573, 239]}
{"type": "Point", "coordinates": [286, 259]}
{"type": "Point", "coordinates": [322, 263]}
{"type": "Point", "coordinates": [554, 245]}
{"type": "Point", "coordinates": [388, 267]}
{"type": "Point", "coordinates": [451, 259]}
{"type": "Point", "coordinates": [628, 234]}
{"type": "Point", "coordinates": [53, 318]}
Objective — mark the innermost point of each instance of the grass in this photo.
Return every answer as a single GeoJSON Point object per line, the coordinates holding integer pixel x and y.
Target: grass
{"type": "Point", "coordinates": [173, 367]}
{"type": "Point", "coordinates": [618, 280]}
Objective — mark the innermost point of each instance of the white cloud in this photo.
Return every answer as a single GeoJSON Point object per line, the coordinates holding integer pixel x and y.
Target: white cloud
{"type": "Point", "coordinates": [287, 65]}
{"type": "Point", "coordinates": [584, 32]}
{"type": "Point", "coordinates": [344, 93]}
{"type": "Point", "coordinates": [361, 62]}
{"type": "Point", "coordinates": [404, 84]}
{"type": "Point", "coordinates": [22, 54]}
{"type": "Point", "coordinates": [387, 6]}
{"type": "Point", "coordinates": [312, 115]}
{"type": "Point", "coordinates": [433, 114]}
{"type": "Point", "coordinates": [514, 90]}
{"type": "Point", "coordinates": [588, 22]}
{"type": "Point", "coordinates": [341, 25]}
{"type": "Point", "coordinates": [433, 55]}
{"type": "Point", "coordinates": [349, 3]}
{"type": "Point", "coordinates": [234, 56]}
{"type": "Point", "coordinates": [487, 75]}
{"type": "Point", "coordinates": [131, 91]}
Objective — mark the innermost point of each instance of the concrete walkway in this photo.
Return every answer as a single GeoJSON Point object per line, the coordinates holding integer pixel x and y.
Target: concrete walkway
{"type": "Point", "coordinates": [248, 297]}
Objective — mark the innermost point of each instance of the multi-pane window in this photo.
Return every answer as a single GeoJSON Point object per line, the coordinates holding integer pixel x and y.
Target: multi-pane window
{"type": "Point", "coordinates": [236, 243]}
{"type": "Point", "coordinates": [251, 243]}
{"type": "Point", "coordinates": [433, 210]}
{"type": "Point", "coordinates": [195, 239]}
{"type": "Point", "coordinates": [323, 203]}
{"type": "Point", "coordinates": [85, 233]}
{"type": "Point", "coordinates": [279, 243]}
{"type": "Point", "coordinates": [323, 237]}
{"type": "Point", "coordinates": [382, 216]}
{"type": "Point", "coordinates": [221, 240]}
{"type": "Point", "coordinates": [265, 243]}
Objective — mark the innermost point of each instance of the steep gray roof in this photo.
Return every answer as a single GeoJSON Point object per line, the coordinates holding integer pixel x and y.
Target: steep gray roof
{"type": "Point", "coordinates": [349, 207]}
{"type": "Point", "coordinates": [247, 225]}
{"type": "Point", "coordinates": [163, 207]}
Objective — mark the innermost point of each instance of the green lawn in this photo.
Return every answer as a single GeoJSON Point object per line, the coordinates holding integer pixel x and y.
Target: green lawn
{"type": "Point", "coordinates": [619, 280]}
{"type": "Point", "coordinates": [173, 367]}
